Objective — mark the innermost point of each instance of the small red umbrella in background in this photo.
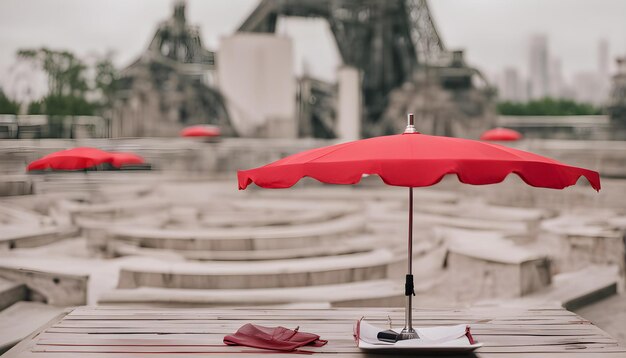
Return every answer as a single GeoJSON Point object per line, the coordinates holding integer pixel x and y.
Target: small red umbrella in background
{"type": "Point", "coordinates": [201, 131]}
{"type": "Point", "coordinates": [501, 134]}
{"type": "Point", "coordinates": [415, 160]}
{"type": "Point", "coordinates": [121, 159]}
{"type": "Point", "coordinates": [71, 159]}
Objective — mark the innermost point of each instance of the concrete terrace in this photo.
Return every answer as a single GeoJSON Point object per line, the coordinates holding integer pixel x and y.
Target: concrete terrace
{"type": "Point", "coordinates": [165, 240]}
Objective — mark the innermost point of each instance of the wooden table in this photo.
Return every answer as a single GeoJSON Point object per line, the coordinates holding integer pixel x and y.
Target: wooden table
{"type": "Point", "coordinates": [107, 332]}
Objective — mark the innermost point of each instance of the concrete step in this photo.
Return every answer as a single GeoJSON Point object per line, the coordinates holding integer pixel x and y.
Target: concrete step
{"type": "Point", "coordinates": [24, 236]}
{"type": "Point", "coordinates": [421, 220]}
{"type": "Point", "coordinates": [356, 193]}
{"type": "Point", "coordinates": [12, 214]}
{"type": "Point", "coordinates": [21, 319]}
{"type": "Point", "coordinates": [11, 185]}
{"type": "Point", "coordinates": [88, 182]}
{"type": "Point", "coordinates": [54, 285]}
{"type": "Point", "coordinates": [242, 239]}
{"type": "Point", "coordinates": [483, 211]}
{"type": "Point", "coordinates": [355, 294]}
{"type": "Point", "coordinates": [587, 239]}
{"type": "Point", "coordinates": [505, 269]}
{"type": "Point", "coordinates": [11, 292]}
{"type": "Point", "coordinates": [114, 209]}
{"type": "Point", "coordinates": [574, 290]}
{"type": "Point", "coordinates": [344, 246]}
{"type": "Point", "coordinates": [254, 213]}
{"type": "Point", "coordinates": [260, 274]}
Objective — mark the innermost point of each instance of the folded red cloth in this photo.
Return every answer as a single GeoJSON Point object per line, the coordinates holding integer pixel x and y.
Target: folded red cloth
{"type": "Point", "coordinates": [276, 338]}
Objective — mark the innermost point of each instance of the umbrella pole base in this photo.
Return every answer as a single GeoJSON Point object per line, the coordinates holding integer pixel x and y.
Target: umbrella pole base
{"type": "Point", "coordinates": [408, 334]}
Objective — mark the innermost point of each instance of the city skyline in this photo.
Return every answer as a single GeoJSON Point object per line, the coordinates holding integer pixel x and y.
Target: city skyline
{"type": "Point", "coordinates": [543, 76]}
{"type": "Point", "coordinates": [125, 28]}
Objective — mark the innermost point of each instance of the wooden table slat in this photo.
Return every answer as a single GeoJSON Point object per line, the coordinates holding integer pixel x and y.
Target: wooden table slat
{"type": "Point", "coordinates": [113, 332]}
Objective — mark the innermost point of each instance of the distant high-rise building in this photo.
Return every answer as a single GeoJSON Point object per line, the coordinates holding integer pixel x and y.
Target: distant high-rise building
{"type": "Point", "coordinates": [555, 79]}
{"type": "Point", "coordinates": [511, 88]}
{"type": "Point", "coordinates": [538, 69]}
{"type": "Point", "coordinates": [603, 58]}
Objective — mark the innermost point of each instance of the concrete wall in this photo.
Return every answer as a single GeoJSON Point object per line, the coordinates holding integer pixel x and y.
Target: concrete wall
{"type": "Point", "coordinates": [256, 76]}
{"type": "Point", "coordinates": [349, 104]}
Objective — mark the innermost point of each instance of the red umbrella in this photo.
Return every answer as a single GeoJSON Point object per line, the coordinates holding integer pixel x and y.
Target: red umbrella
{"type": "Point", "coordinates": [121, 159]}
{"type": "Point", "coordinates": [71, 159]}
{"type": "Point", "coordinates": [415, 160]}
{"type": "Point", "coordinates": [201, 131]}
{"type": "Point", "coordinates": [501, 134]}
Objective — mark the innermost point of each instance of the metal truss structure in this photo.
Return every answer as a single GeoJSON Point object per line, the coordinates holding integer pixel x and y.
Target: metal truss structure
{"type": "Point", "coordinates": [170, 85]}
{"type": "Point", "coordinates": [388, 40]}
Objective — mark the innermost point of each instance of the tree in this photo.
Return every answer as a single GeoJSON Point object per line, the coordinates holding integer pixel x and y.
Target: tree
{"type": "Point", "coordinates": [66, 73]}
{"type": "Point", "coordinates": [67, 83]}
{"type": "Point", "coordinates": [106, 80]}
{"type": "Point", "coordinates": [7, 105]}
{"type": "Point", "coordinates": [547, 107]}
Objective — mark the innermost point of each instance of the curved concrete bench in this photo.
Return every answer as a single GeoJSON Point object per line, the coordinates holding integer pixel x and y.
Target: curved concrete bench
{"type": "Point", "coordinates": [356, 193]}
{"type": "Point", "coordinates": [479, 210]}
{"type": "Point", "coordinates": [342, 247]}
{"type": "Point", "coordinates": [114, 209]}
{"type": "Point", "coordinates": [11, 292]}
{"type": "Point", "coordinates": [260, 274]}
{"type": "Point", "coordinates": [93, 180]}
{"type": "Point", "coordinates": [274, 212]}
{"type": "Point", "coordinates": [96, 231]}
{"type": "Point", "coordinates": [364, 294]}
{"type": "Point", "coordinates": [253, 204]}
{"type": "Point", "coordinates": [430, 220]}
{"type": "Point", "coordinates": [56, 286]}
{"type": "Point", "coordinates": [23, 236]}
{"type": "Point", "coordinates": [12, 214]}
{"type": "Point", "coordinates": [598, 225]}
{"type": "Point", "coordinates": [506, 270]}
{"type": "Point", "coordinates": [274, 218]}
{"type": "Point", "coordinates": [573, 290]}
{"type": "Point", "coordinates": [617, 222]}
{"type": "Point", "coordinates": [242, 239]}
{"type": "Point", "coordinates": [587, 239]}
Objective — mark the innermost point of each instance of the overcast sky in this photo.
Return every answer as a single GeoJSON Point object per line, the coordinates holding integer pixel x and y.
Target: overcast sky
{"type": "Point", "coordinates": [494, 33]}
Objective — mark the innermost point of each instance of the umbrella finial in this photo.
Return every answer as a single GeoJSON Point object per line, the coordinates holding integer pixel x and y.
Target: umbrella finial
{"type": "Point", "coordinates": [410, 126]}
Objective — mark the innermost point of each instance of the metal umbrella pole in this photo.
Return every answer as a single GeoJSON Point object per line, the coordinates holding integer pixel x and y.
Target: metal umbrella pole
{"type": "Point", "coordinates": [408, 332]}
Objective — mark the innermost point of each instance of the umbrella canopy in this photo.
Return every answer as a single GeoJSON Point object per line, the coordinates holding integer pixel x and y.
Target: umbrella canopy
{"type": "Point", "coordinates": [71, 159]}
{"type": "Point", "coordinates": [415, 160]}
{"type": "Point", "coordinates": [201, 131]}
{"type": "Point", "coordinates": [120, 159]}
{"type": "Point", "coordinates": [501, 134]}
